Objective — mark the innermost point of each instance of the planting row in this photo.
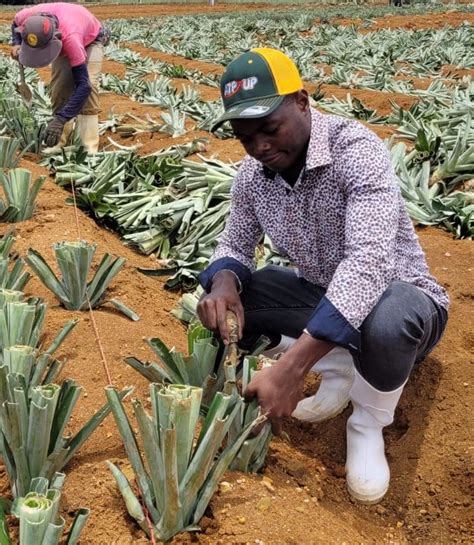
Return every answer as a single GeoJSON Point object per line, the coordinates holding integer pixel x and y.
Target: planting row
{"type": "Point", "coordinates": [184, 454]}
{"type": "Point", "coordinates": [343, 55]}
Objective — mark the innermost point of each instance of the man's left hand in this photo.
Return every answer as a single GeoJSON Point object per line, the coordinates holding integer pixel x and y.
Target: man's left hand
{"type": "Point", "coordinates": [54, 131]}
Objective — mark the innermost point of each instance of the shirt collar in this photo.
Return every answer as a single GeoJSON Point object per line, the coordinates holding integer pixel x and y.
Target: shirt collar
{"type": "Point", "coordinates": [318, 153]}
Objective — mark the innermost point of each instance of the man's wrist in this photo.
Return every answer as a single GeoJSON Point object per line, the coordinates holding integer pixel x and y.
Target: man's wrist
{"type": "Point", "coordinates": [306, 352]}
{"type": "Point", "coordinates": [226, 277]}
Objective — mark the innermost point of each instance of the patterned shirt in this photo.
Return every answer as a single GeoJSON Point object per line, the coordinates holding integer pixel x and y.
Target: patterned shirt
{"type": "Point", "coordinates": [343, 224]}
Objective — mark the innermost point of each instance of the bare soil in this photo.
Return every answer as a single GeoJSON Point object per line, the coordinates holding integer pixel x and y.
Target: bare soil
{"type": "Point", "coordinates": [412, 22]}
{"type": "Point", "coordinates": [301, 497]}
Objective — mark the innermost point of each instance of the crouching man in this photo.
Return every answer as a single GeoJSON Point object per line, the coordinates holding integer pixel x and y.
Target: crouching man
{"type": "Point", "coordinates": [361, 306]}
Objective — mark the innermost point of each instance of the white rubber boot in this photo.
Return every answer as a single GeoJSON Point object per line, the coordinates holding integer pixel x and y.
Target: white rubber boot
{"type": "Point", "coordinates": [88, 130]}
{"type": "Point", "coordinates": [284, 344]}
{"type": "Point", "coordinates": [367, 471]}
{"type": "Point", "coordinates": [337, 376]}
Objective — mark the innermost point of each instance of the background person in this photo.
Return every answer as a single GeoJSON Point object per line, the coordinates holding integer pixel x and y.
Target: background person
{"type": "Point", "coordinates": [362, 307]}
{"type": "Point", "coordinates": [70, 38]}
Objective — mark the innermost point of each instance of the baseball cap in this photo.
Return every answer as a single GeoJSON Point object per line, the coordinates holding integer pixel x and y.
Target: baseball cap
{"type": "Point", "coordinates": [40, 41]}
{"type": "Point", "coordinates": [255, 84]}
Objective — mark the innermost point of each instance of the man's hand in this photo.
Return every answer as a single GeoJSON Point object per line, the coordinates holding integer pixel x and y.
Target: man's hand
{"type": "Point", "coordinates": [15, 52]}
{"type": "Point", "coordinates": [212, 308]}
{"type": "Point", "coordinates": [54, 131]}
{"type": "Point", "coordinates": [279, 388]}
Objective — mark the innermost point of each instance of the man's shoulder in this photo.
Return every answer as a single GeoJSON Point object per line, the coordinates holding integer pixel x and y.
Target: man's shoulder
{"type": "Point", "coordinates": [344, 131]}
{"type": "Point", "coordinates": [351, 138]}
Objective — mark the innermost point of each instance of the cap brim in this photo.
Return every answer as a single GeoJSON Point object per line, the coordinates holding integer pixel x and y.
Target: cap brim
{"type": "Point", "coordinates": [250, 109]}
{"type": "Point", "coordinates": [35, 57]}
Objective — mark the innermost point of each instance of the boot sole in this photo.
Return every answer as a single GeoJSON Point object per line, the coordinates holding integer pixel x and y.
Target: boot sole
{"type": "Point", "coordinates": [364, 499]}
{"type": "Point", "coordinates": [335, 413]}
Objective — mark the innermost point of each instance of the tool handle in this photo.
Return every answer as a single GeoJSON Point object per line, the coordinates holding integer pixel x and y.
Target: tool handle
{"type": "Point", "coordinates": [232, 327]}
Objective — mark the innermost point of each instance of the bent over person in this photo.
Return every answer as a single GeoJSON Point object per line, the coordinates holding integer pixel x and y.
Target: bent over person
{"type": "Point", "coordinates": [70, 38]}
{"type": "Point", "coordinates": [359, 307]}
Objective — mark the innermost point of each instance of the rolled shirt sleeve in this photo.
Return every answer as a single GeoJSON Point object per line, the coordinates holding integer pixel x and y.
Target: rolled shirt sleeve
{"type": "Point", "coordinates": [370, 231]}
{"type": "Point", "coordinates": [236, 248]}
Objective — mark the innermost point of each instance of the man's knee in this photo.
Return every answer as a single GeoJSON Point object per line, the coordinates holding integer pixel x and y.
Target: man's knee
{"type": "Point", "coordinates": [395, 320]}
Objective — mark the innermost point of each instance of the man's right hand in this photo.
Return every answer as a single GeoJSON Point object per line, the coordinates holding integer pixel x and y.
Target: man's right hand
{"type": "Point", "coordinates": [15, 52]}
{"type": "Point", "coordinates": [212, 308]}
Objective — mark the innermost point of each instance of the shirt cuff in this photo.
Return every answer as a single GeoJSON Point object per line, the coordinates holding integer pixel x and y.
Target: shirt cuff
{"type": "Point", "coordinates": [328, 324]}
{"type": "Point", "coordinates": [230, 264]}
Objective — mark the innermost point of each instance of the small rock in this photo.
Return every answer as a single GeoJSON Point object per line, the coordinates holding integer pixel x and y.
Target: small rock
{"type": "Point", "coordinates": [399, 524]}
{"type": "Point", "coordinates": [241, 520]}
{"type": "Point", "coordinates": [380, 510]}
{"type": "Point", "coordinates": [315, 490]}
{"type": "Point", "coordinates": [224, 487]}
{"type": "Point", "coordinates": [300, 509]}
{"type": "Point", "coordinates": [268, 485]}
{"type": "Point", "coordinates": [298, 471]}
{"type": "Point", "coordinates": [264, 503]}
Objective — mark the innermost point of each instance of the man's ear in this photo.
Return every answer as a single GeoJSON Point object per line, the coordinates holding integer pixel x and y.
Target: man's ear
{"type": "Point", "coordinates": [302, 100]}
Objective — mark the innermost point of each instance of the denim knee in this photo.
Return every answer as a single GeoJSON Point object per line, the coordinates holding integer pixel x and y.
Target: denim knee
{"type": "Point", "coordinates": [391, 336]}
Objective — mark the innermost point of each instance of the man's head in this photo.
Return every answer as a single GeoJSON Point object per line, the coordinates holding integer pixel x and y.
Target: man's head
{"type": "Point", "coordinates": [40, 41]}
{"type": "Point", "coordinates": [268, 108]}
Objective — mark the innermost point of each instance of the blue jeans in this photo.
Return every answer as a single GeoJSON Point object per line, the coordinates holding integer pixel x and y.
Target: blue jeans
{"type": "Point", "coordinates": [402, 329]}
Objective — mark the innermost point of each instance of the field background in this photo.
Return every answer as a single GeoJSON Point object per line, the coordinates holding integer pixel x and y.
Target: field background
{"type": "Point", "coordinates": [429, 446]}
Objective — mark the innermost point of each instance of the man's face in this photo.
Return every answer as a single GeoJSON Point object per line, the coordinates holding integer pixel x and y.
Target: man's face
{"type": "Point", "coordinates": [277, 140]}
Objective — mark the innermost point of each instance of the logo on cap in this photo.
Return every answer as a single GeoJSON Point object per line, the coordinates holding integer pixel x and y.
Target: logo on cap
{"type": "Point", "coordinates": [234, 86]}
{"type": "Point", "coordinates": [32, 39]}
{"type": "Point", "coordinates": [254, 110]}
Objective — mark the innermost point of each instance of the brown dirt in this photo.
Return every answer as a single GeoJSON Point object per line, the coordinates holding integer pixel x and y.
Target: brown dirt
{"type": "Point", "coordinates": [451, 71]}
{"type": "Point", "coordinates": [411, 22]}
{"type": "Point", "coordinates": [190, 64]}
{"type": "Point", "coordinates": [418, 22]}
{"type": "Point", "coordinates": [376, 100]}
{"type": "Point", "coordinates": [124, 11]}
{"type": "Point", "coordinates": [429, 446]}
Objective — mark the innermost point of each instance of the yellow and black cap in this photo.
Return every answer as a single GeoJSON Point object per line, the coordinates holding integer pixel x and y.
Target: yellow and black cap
{"type": "Point", "coordinates": [255, 84]}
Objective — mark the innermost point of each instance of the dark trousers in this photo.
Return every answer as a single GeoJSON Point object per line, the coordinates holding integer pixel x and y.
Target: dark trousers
{"type": "Point", "coordinates": [402, 329]}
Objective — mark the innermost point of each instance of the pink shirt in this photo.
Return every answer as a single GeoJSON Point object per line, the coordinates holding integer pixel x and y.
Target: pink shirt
{"type": "Point", "coordinates": [77, 25]}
